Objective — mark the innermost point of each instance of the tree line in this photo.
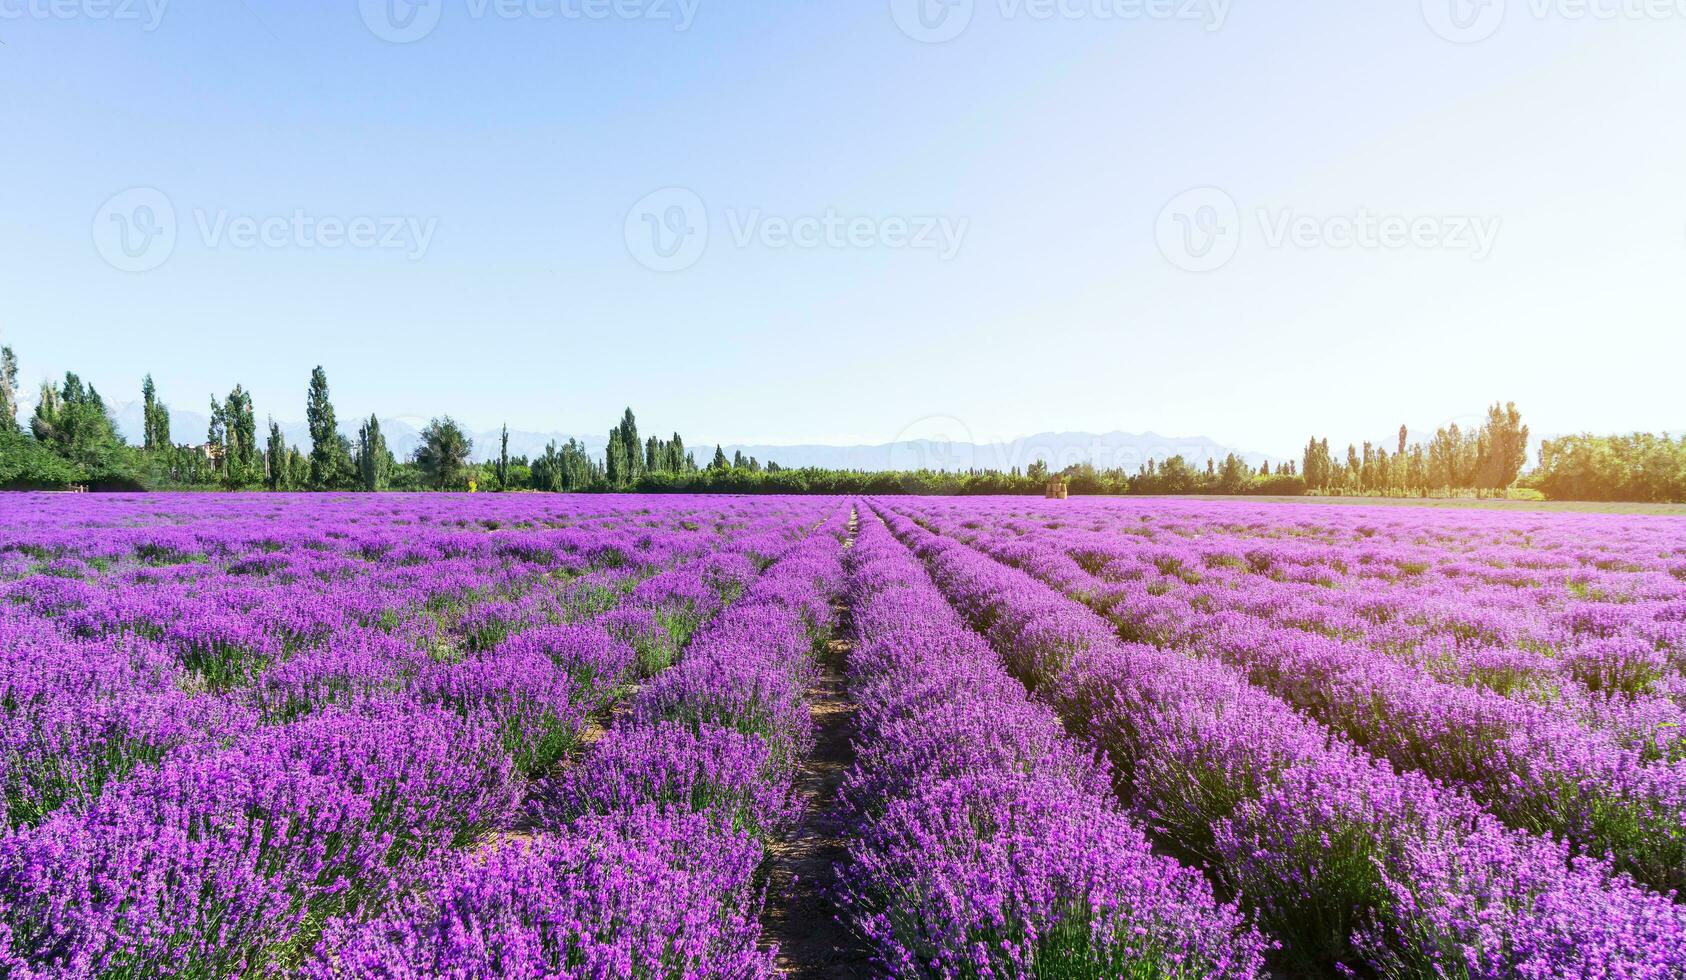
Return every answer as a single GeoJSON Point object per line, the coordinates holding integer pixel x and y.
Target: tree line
{"type": "Point", "coordinates": [72, 439]}
{"type": "Point", "coordinates": [1483, 462]}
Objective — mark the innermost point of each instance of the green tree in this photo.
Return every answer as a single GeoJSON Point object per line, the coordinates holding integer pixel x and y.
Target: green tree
{"type": "Point", "coordinates": [1502, 448]}
{"type": "Point", "coordinates": [330, 456]}
{"type": "Point", "coordinates": [614, 460]}
{"type": "Point", "coordinates": [216, 437]}
{"type": "Point", "coordinates": [503, 459]}
{"type": "Point", "coordinates": [276, 475]}
{"type": "Point", "coordinates": [443, 454]}
{"type": "Point", "coordinates": [8, 390]}
{"type": "Point", "coordinates": [632, 446]}
{"type": "Point", "coordinates": [374, 461]}
{"type": "Point", "coordinates": [298, 469]}
{"type": "Point", "coordinates": [720, 462]}
{"type": "Point", "coordinates": [155, 418]}
{"type": "Point", "coordinates": [239, 449]}
{"type": "Point", "coordinates": [1234, 475]}
{"type": "Point", "coordinates": [72, 422]}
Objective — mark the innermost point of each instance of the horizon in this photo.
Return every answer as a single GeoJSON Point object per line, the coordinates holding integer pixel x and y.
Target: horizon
{"type": "Point", "coordinates": [1013, 222]}
{"type": "Point", "coordinates": [1195, 447]}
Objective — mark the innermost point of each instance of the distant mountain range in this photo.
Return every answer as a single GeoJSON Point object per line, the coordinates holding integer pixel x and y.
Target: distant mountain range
{"type": "Point", "coordinates": [1058, 449]}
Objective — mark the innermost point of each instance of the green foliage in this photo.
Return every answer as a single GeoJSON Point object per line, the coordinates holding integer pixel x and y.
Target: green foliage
{"type": "Point", "coordinates": [72, 422]}
{"type": "Point", "coordinates": [1642, 467]}
{"type": "Point", "coordinates": [8, 391]}
{"type": "Point", "coordinates": [565, 469]}
{"type": "Point", "coordinates": [331, 465]}
{"type": "Point", "coordinates": [374, 460]}
{"type": "Point", "coordinates": [442, 455]}
{"type": "Point", "coordinates": [1485, 462]}
{"type": "Point", "coordinates": [503, 460]}
{"type": "Point", "coordinates": [232, 440]}
{"type": "Point", "coordinates": [72, 439]}
{"type": "Point", "coordinates": [26, 464]}
{"type": "Point", "coordinates": [155, 418]}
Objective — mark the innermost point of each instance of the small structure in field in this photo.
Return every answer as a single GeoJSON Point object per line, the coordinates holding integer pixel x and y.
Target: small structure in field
{"type": "Point", "coordinates": [1057, 488]}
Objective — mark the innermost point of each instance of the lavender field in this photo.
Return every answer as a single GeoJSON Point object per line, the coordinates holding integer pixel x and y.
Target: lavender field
{"type": "Point", "coordinates": [542, 736]}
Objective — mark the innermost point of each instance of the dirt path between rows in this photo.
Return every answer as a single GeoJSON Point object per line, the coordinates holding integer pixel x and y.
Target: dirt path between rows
{"type": "Point", "coordinates": [800, 916]}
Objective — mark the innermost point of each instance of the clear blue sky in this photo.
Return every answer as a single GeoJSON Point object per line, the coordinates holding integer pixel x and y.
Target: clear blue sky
{"type": "Point", "coordinates": [1049, 147]}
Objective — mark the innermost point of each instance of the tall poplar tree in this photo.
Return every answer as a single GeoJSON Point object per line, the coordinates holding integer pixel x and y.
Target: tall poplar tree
{"type": "Point", "coordinates": [216, 437]}
{"type": "Point", "coordinates": [277, 476]}
{"type": "Point", "coordinates": [614, 459]}
{"type": "Point", "coordinates": [155, 417]}
{"type": "Point", "coordinates": [503, 458]}
{"type": "Point", "coordinates": [8, 390]}
{"type": "Point", "coordinates": [632, 448]}
{"type": "Point", "coordinates": [328, 463]}
{"type": "Point", "coordinates": [374, 462]}
{"type": "Point", "coordinates": [241, 434]}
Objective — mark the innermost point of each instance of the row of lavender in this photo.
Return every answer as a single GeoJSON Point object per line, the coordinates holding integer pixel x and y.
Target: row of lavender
{"type": "Point", "coordinates": [228, 723]}
{"type": "Point", "coordinates": [1587, 615]}
{"type": "Point", "coordinates": [1542, 762]}
{"type": "Point", "coordinates": [640, 860]}
{"type": "Point", "coordinates": [986, 842]}
{"type": "Point", "coordinates": [1344, 860]}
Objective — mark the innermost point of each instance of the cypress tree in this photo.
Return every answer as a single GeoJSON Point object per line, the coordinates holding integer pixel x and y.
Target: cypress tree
{"type": "Point", "coordinates": [216, 437]}
{"type": "Point", "coordinates": [374, 462]}
{"type": "Point", "coordinates": [240, 436]}
{"type": "Point", "coordinates": [503, 458]}
{"type": "Point", "coordinates": [149, 414]}
{"type": "Point", "coordinates": [328, 462]}
{"type": "Point", "coordinates": [8, 390]}
{"type": "Point", "coordinates": [275, 459]}
{"type": "Point", "coordinates": [155, 418]}
{"type": "Point", "coordinates": [614, 459]}
{"type": "Point", "coordinates": [632, 459]}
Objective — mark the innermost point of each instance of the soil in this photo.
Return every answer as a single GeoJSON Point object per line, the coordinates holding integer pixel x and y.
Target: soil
{"type": "Point", "coordinates": [800, 916]}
